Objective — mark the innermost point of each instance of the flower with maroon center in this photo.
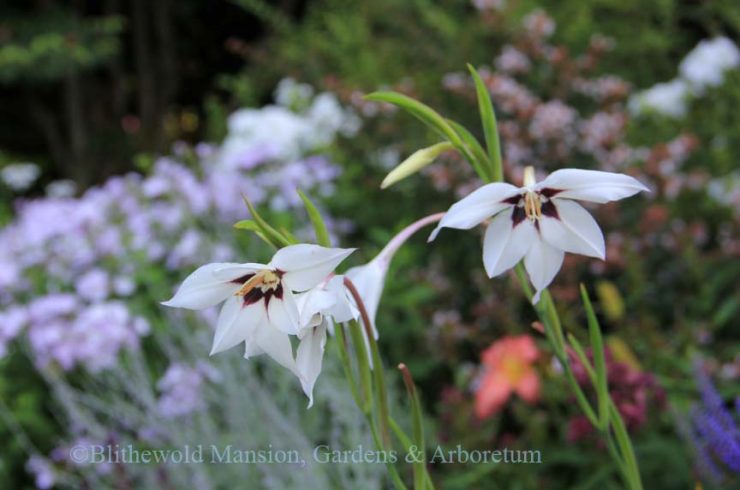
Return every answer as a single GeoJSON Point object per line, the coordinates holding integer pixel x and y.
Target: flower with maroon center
{"type": "Point", "coordinates": [539, 222]}
{"type": "Point", "coordinates": [259, 302]}
{"type": "Point", "coordinates": [508, 365]}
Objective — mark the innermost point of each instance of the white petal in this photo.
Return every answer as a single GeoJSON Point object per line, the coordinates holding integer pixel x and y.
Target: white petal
{"type": "Point", "coordinates": [477, 206]}
{"type": "Point", "coordinates": [576, 231]}
{"type": "Point", "coordinates": [504, 246]}
{"type": "Point", "coordinates": [369, 281]}
{"type": "Point", "coordinates": [591, 185]}
{"type": "Point", "coordinates": [251, 349]}
{"type": "Point", "coordinates": [229, 272]}
{"type": "Point", "coordinates": [283, 313]}
{"type": "Point", "coordinates": [343, 309]}
{"type": "Point", "coordinates": [202, 289]}
{"type": "Point", "coordinates": [313, 302]}
{"type": "Point", "coordinates": [309, 357]}
{"type": "Point", "coordinates": [235, 322]}
{"type": "Point", "coordinates": [275, 344]}
{"type": "Point", "coordinates": [306, 265]}
{"type": "Point", "coordinates": [543, 262]}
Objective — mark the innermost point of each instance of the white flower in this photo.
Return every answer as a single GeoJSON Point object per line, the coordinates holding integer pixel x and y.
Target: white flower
{"type": "Point", "coordinates": [540, 221]}
{"type": "Point", "coordinates": [61, 188]}
{"type": "Point", "coordinates": [20, 176]}
{"type": "Point", "coordinates": [319, 308]}
{"type": "Point", "coordinates": [260, 308]}
{"type": "Point", "coordinates": [667, 98]}
{"type": "Point", "coordinates": [706, 64]}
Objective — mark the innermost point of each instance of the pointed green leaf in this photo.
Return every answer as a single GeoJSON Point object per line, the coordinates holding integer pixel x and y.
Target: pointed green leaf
{"type": "Point", "coordinates": [490, 127]}
{"type": "Point", "coordinates": [431, 118]}
{"type": "Point", "coordinates": [597, 347]}
{"type": "Point", "coordinates": [288, 235]}
{"type": "Point", "coordinates": [247, 224]}
{"type": "Point", "coordinates": [423, 112]}
{"type": "Point", "coordinates": [480, 159]}
{"type": "Point", "coordinates": [252, 226]}
{"type": "Point", "coordinates": [322, 234]}
{"type": "Point", "coordinates": [270, 233]}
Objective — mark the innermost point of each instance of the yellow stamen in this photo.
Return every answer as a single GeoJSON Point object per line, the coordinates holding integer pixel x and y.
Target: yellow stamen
{"type": "Point", "coordinates": [532, 206]}
{"type": "Point", "coordinates": [266, 279]}
{"type": "Point", "coordinates": [252, 283]}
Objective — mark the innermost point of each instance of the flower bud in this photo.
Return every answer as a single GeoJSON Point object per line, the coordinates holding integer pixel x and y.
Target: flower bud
{"type": "Point", "coordinates": [418, 160]}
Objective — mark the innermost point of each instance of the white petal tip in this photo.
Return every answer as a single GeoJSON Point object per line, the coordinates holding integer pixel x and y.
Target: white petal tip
{"type": "Point", "coordinates": [536, 297]}
{"type": "Point", "coordinates": [433, 235]}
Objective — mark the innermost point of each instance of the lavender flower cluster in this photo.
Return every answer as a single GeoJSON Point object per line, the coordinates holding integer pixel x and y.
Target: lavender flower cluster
{"type": "Point", "coordinates": [713, 431]}
{"type": "Point", "coordinates": [541, 127]}
{"type": "Point", "coordinates": [180, 388]}
{"type": "Point", "coordinates": [70, 266]}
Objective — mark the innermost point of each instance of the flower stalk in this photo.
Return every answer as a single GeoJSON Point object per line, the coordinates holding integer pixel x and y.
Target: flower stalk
{"type": "Point", "coordinates": [530, 229]}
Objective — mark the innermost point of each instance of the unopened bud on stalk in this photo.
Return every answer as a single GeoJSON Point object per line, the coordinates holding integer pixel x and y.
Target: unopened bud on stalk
{"type": "Point", "coordinates": [418, 160]}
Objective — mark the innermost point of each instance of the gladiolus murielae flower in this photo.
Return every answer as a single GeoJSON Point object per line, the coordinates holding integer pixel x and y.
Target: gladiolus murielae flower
{"type": "Point", "coordinates": [260, 308]}
{"type": "Point", "coordinates": [319, 308]}
{"type": "Point", "coordinates": [508, 364]}
{"type": "Point", "coordinates": [539, 222]}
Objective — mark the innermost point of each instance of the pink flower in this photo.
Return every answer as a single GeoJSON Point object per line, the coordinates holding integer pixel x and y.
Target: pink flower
{"type": "Point", "coordinates": [509, 368]}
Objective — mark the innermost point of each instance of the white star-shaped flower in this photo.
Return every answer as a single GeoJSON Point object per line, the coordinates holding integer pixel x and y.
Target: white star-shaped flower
{"type": "Point", "coordinates": [259, 304]}
{"type": "Point", "coordinates": [539, 221]}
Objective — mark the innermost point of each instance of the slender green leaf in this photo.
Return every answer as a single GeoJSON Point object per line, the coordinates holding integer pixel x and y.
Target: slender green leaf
{"type": "Point", "coordinates": [597, 348]}
{"type": "Point", "coordinates": [490, 127]}
{"type": "Point", "coordinates": [416, 416]}
{"type": "Point", "coordinates": [322, 234]}
{"type": "Point", "coordinates": [288, 235]}
{"type": "Point", "coordinates": [581, 353]}
{"type": "Point", "coordinates": [252, 226]}
{"type": "Point", "coordinates": [270, 233]}
{"type": "Point", "coordinates": [431, 118]}
{"type": "Point", "coordinates": [480, 159]}
{"type": "Point", "coordinates": [423, 112]}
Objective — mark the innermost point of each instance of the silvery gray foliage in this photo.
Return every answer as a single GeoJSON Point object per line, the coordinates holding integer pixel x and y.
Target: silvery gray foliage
{"type": "Point", "coordinates": [250, 405]}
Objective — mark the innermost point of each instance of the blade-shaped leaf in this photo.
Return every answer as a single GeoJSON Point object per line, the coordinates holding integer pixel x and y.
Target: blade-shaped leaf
{"type": "Point", "coordinates": [252, 226]}
{"type": "Point", "coordinates": [322, 234]}
{"type": "Point", "coordinates": [480, 159]}
{"type": "Point", "coordinates": [490, 127]}
{"type": "Point", "coordinates": [270, 233]}
{"type": "Point", "coordinates": [423, 112]}
{"type": "Point", "coordinates": [597, 348]}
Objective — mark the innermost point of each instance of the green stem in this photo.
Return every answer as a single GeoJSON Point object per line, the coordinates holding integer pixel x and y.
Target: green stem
{"type": "Point", "coordinates": [419, 463]}
{"type": "Point", "coordinates": [366, 404]}
{"type": "Point", "coordinates": [380, 390]}
{"type": "Point", "coordinates": [624, 458]}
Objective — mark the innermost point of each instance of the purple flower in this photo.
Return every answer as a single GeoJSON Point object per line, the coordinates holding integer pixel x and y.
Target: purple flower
{"type": "Point", "coordinates": [93, 285]}
{"type": "Point", "coordinates": [12, 322]}
{"type": "Point", "coordinates": [713, 431]}
{"type": "Point", "coordinates": [42, 470]}
{"type": "Point", "coordinates": [180, 389]}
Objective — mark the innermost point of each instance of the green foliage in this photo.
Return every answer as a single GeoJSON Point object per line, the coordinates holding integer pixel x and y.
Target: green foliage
{"type": "Point", "coordinates": [47, 47]}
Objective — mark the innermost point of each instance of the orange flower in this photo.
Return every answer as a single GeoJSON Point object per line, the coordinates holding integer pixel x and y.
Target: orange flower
{"type": "Point", "coordinates": [508, 367]}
